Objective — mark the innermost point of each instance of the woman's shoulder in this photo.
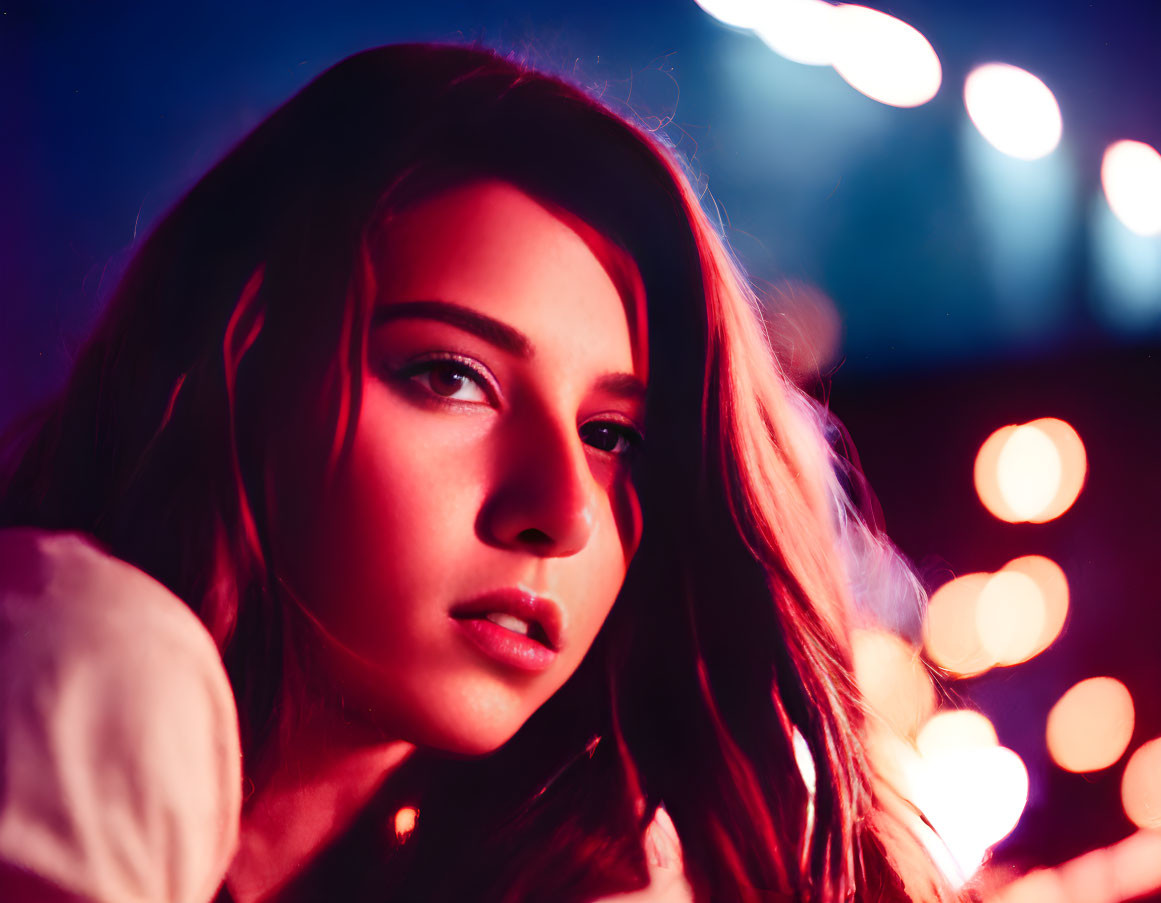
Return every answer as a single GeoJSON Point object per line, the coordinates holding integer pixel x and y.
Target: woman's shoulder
{"type": "Point", "coordinates": [118, 730]}
{"type": "Point", "coordinates": [64, 588]}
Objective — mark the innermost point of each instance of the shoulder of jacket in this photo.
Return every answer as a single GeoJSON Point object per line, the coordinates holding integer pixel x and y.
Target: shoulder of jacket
{"type": "Point", "coordinates": [121, 775]}
{"type": "Point", "coordinates": [63, 590]}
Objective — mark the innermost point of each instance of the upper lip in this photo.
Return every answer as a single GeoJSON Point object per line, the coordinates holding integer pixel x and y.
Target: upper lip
{"type": "Point", "coordinates": [521, 604]}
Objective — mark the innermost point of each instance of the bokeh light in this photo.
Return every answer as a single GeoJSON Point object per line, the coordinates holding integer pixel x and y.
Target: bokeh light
{"type": "Point", "coordinates": [979, 620]}
{"type": "Point", "coordinates": [1031, 472]}
{"type": "Point", "coordinates": [405, 820]}
{"type": "Point", "coordinates": [883, 57]}
{"type": "Point", "coordinates": [955, 729]}
{"type": "Point", "coordinates": [1073, 466]}
{"type": "Point", "coordinates": [736, 13]}
{"type": "Point", "coordinates": [1038, 886]}
{"type": "Point", "coordinates": [1124, 274]}
{"type": "Point", "coordinates": [973, 797]}
{"type": "Point", "coordinates": [1010, 616]}
{"type": "Point", "coordinates": [802, 31]}
{"type": "Point", "coordinates": [1131, 176]}
{"type": "Point", "coordinates": [1014, 110]}
{"type": "Point", "coordinates": [1028, 471]}
{"type": "Point", "coordinates": [1126, 870]}
{"type": "Point", "coordinates": [1141, 786]}
{"type": "Point", "coordinates": [1136, 864]}
{"type": "Point", "coordinates": [804, 328]}
{"type": "Point", "coordinates": [986, 475]}
{"type": "Point", "coordinates": [970, 789]}
{"type": "Point", "coordinates": [893, 678]}
{"type": "Point", "coordinates": [1090, 726]}
{"type": "Point", "coordinates": [1053, 586]}
{"type": "Point", "coordinates": [950, 637]}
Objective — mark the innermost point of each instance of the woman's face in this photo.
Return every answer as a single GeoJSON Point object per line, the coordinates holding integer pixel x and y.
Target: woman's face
{"type": "Point", "coordinates": [475, 539]}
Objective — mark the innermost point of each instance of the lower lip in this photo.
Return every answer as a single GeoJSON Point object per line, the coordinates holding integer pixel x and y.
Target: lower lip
{"type": "Point", "coordinates": [506, 647]}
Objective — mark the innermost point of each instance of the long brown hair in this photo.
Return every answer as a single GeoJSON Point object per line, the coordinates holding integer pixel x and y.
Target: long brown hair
{"type": "Point", "coordinates": [242, 318]}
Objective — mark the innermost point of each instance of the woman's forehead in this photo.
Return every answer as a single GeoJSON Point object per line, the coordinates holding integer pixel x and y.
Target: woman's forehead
{"type": "Point", "coordinates": [493, 229]}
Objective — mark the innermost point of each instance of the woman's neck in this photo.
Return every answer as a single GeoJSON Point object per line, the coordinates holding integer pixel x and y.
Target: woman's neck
{"type": "Point", "coordinates": [306, 793]}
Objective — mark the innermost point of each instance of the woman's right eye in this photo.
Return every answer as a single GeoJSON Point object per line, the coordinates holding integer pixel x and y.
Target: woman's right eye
{"type": "Point", "coordinates": [452, 379]}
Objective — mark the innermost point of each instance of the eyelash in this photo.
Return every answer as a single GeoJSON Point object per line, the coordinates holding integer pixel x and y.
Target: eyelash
{"type": "Point", "coordinates": [455, 363]}
{"type": "Point", "coordinates": [629, 439]}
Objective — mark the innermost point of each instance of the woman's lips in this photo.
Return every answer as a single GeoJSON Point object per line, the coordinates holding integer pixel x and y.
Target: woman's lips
{"type": "Point", "coordinates": [505, 646]}
{"type": "Point", "coordinates": [532, 638]}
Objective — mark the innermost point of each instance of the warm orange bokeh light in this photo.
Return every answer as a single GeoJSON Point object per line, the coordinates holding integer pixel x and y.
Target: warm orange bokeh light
{"type": "Point", "coordinates": [1136, 864]}
{"type": "Point", "coordinates": [1091, 725]}
{"type": "Point", "coordinates": [986, 475]}
{"type": "Point", "coordinates": [978, 621]}
{"type": "Point", "coordinates": [950, 636]}
{"type": "Point", "coordinates": [893, 678]}
{"type": "Point", "coordinates": [1028, 471]}
{"type": "Point", "coordinates": [1073, 466]}
{"type": "Point", "coordinates": [1128, 869]}
{"type": "Point", "coordinates": [1053, 586]}
{"type": "Point", "coordinates": [974, 797]}
{"type": "Point", "coordinates": [1141, 786]}
{"type": "Point", "coordinates": [968, 787]}
{"type": "Point", "coordinates": [1031, 472]}
{"type": "Point", "coordinates": [1010, 615]}
{"type": "Point", "coordinates": [405, 820]}
{"type": "Point", "coordinates": [955, 729]}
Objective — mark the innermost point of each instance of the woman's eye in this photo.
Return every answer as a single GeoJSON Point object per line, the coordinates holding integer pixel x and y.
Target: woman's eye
{"type": "Point", "coordinates": [453, 380]}
{"type": "Point", "coordinates": [615, 438]}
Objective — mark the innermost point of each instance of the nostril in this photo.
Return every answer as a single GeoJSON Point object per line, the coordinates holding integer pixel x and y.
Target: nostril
{"type": "Point", "coordinates": [534, 537]}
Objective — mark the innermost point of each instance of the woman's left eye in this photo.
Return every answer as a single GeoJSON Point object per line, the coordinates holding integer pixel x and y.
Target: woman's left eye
{"type": "Point", "coordinates": [609, 436]}
{"type": "Point", "coordinates": [452, 379]}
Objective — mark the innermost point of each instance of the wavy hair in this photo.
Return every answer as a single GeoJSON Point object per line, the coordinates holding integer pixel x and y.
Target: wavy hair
{"type": "Point", "coordinates": [243, 316]}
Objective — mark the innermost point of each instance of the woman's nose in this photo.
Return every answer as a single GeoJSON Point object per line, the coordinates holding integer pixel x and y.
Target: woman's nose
{"type": "Point", "coordinates": [544, 495]}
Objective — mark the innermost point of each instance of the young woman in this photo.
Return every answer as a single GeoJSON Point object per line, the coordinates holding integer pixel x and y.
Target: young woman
{"type": "Point", "coordinates": [441, 405]}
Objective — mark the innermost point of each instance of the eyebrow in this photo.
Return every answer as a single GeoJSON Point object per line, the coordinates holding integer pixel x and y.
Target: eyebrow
{"type": "Point", "coordinates": [492, 331]}
{"type": "Point", "coordinates": [503, 336]}
{"type": "Point", "coordinates": [624, 385]}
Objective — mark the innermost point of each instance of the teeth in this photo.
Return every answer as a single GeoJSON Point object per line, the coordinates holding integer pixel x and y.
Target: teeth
{"type": "Point", "coordinates": [511, 622]}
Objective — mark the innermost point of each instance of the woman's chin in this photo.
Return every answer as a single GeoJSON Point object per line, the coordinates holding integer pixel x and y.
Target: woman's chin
{"type": "Point", "coordinates": [467, 732]}
{"type": "Point", "coordinates": [467, 739]}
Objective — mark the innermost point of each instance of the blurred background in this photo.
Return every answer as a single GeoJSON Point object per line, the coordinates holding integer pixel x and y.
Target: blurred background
{"type": "Point", "coordinates": [952, 212]}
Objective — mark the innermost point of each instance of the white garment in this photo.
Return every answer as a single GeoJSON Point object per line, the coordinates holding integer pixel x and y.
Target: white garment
{"type": "Point", "coordinates": [120, 764]}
